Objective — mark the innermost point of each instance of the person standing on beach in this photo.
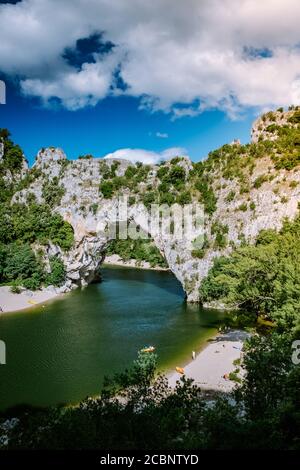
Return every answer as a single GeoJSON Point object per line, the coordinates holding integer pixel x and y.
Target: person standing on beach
{"type": "Point", "coordinates": [193, 355]}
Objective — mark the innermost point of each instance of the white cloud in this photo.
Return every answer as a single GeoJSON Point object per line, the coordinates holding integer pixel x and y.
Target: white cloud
{"type": "Point", "coordinates": [162, 135]}
{"type": "Point", "coordinates": [179, 57]}
{"type": "Point", "coordinates": [146, 156]}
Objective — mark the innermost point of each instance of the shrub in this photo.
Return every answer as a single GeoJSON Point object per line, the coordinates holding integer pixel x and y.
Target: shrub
{"type": "Point", "coordinates": [243, 207]}
{"type": "Point", "coordinates": [230, 196]}
{"type": "Point", "coordinates": [262, 279]}
{"type": "Point", "coordinates": [149, 198]}
{"type": "Point", "coordinates": [107, 189]}
{"type": "Point", "coordinates": [259, 181]}
{"type": "Point", "coordinates": [15, 287]}
{"type": "Point", "coordinates": [130, 171]}
{"type": "Point", "coordinates": [184, 198]}
{"type": "Point", "coordinates": [57, 274]}
{"type": "Point", "coordinates": [176, 175]}
{"type": "Point", "coordinates": [52, 192]}
{"type": "Point", "coordinates": [295, 118]}
{"type": "Point", "coordinates": [162, 171]}
{"type": "Point", "coordinates": [167, 198]}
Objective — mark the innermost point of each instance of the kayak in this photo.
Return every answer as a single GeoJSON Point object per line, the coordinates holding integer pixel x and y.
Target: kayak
{"type": "Point", "coordinates": [149, 349]}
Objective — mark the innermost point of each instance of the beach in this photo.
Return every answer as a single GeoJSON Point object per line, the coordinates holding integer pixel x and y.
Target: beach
{"type": "Point", "coordinates": [10, 302]}
{"type": "Point", "coordinates": [115, 260]}
{"type": "Point", "coordinates": [212, 365]}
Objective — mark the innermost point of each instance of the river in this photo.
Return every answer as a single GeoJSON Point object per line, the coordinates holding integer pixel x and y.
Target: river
{"type": "Point", "coordinates": [61, 352]}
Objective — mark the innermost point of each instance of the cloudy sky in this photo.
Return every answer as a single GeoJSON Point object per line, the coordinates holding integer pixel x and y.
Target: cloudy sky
{"type": "Point", "coordinates": [99, 76]}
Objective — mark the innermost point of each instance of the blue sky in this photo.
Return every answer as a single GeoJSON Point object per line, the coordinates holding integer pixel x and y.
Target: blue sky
{"type": "Point", "coordinates": [114, 123]}
{"type": "Point", "coordinates": [93, 76]}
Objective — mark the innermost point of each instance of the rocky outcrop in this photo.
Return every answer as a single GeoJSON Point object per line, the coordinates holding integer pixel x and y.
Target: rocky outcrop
{"type": "Point", "coordinates": [263, 127]}
{"type": "Point", "coordinates": [92, 216]}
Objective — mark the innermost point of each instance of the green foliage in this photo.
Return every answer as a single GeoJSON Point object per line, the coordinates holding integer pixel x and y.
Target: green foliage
{"type": "Point", "coordinates": [140, 250]}
{"type": "Point", "coordinates": [184, 198]}
{"type": "Point", "coordinates": [295, 118]}
{"type": "Point", "coordinates": [149, 198]}
{"type": "Point", "coordinates": [13, 155]}
{"type": "Point", "coordinates": [270, 391]}
{"type": "Point", "coordinates": [230, 197]}
{"type": "Point", "coordinates": [107, 189]}
{"type": "Point", "coordinates": [85, 157]}
{"type": "Point", "coordinates": [53, 192]}
{"type": "Point", "coordinates": [259, 181]}
{"type": "Point", "coordinates": [130, 171]}
{"type": "Point", "coordinates": [19, 263]}
{"type": "Point", "coordinates": [15, 287]}
{"type": "Point", "coordinates": [34, 223]}
{"type": "Point", "coordinates": [263, 278]}
{"type": "Point", "coordinates": [162, 171]}
{"type": "Point", "coordinates": [57, 274]}
{"type": "Point", "coordinates": [220, 231]}
{"type": "Point", "coordinates": [272, 128]}
{"type": "Point", "coordinates": [243, 207]}
{"type": "Point", "coordinates": [167, 198]}
{"type": "Point", "coordinates": [29, 178]}
{"type": "Point", "coordinates": [176, 176]}
{"type": "Point", "coordinates": [94, 208]}
{"type": "Point", "coordinates": [131, 200]}
{"type": "Point", "coordinates": [208, 197]}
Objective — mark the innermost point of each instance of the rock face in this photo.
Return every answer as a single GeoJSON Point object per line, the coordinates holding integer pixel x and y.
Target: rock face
{"type": "Point", "coordinates": [91, 215]}
{"type": "Point", "coordinates": [46, 157]}
{"type": "Point", "coordinates": [262, 127]}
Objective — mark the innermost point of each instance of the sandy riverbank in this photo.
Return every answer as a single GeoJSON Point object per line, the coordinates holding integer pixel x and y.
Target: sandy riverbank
{"type": "Point", "coordinates": [115, 260]}
{"type": "Point", "coordinates": [10, 302]}
{"type": "Point", "coordinates": [213, 362]}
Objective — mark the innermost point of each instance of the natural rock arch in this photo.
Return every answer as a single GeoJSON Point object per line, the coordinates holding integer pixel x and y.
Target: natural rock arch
{"type": "Point", "coordinates": [84, 259]}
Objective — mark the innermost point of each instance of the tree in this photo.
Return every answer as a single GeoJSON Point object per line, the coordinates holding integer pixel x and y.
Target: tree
{"type": "Point", "coordinates": [57, 273]}
{"type": "Point", "coordinates": [263, 278]}
{"type": "Point", "coordinates": [21, 263]}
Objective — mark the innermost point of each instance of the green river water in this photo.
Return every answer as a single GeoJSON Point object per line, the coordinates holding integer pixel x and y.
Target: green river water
{"type": "Point", "coordinates": [61, 353]}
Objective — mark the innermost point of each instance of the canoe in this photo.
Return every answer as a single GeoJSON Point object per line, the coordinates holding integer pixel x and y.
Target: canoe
{"type": "Point", "coordinates": [149, 349]}
{"type": "Point", "coordinates": [180, 370]}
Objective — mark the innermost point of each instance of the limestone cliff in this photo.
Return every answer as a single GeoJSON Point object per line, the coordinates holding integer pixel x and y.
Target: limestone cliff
{"type": "Point", "coordinates": [244, 188]}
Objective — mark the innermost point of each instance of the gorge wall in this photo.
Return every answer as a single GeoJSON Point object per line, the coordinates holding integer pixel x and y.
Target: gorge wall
{"type": "Point", "coordinates": [244, 189]}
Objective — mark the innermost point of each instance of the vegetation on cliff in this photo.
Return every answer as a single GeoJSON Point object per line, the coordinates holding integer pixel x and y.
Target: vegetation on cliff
{"type": "Point", "coordinates": [263, 278]}
{"type": "Point", "coordinates": [140, 250]}
{"type": "Point", "coordinates": [24, 227]}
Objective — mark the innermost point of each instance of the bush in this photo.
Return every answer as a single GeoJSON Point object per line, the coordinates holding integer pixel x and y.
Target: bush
{"type": "Point", "coordinates": [52, 192]}
{"type": "Point", "coordinates": [184, 198]}
{"type": "Point", "coordinates": [21, 266]}
{"type": "Point", "coordinates": [15, 287]}
{"type": "Point", "coordinates": [295, 118]}
{"type": "Point", "coordinates": [259, 181]}
{"type": "Point", "coordinates": [230, 196]}
{"type": "Point", "coordinates": [243, 207]}
{"type": "Point", "coordinates": [107, 189]}
{"type": "Point", "coordinates": [149, 198]}
{"type": "Point", "coordinates": [176, 176]}
{"type": "Point", "coordinates": [57, 274]}
{"type": "Point", "coordinates": [263, 279]}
